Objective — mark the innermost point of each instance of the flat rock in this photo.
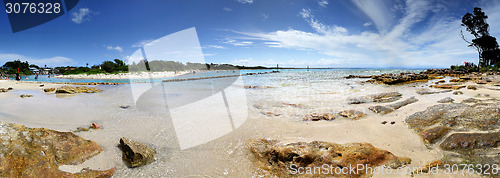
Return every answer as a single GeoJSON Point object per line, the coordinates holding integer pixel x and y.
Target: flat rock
{"type": "Point", "coordinates": [458, 93]}
{"type": "Point", "coordinates": [377, 98]}
{"type": "Point", "coordinates": [432, 134]}
{"type": "Point", "coordinates": [471, 141]}
{"type": "Point", "coordinates": [428, 92]}
{"type": "Point", "coordinates": [3, 90]}
{"type": "Point", "coordinates": [281, 159]}
{"type": "Point", "coordinates": [49, 89]}
{"type": "Point", "coordinates": [446, 100]}
{"type": "Point", "coordinates": [472, 87]}
{"type": "Point", "coordinates": [471, 100]}
{"type": "Point", "coordinates": [352, 114]}
{"type": "Point", "coordinates": [448, 86]}
{"type": "Point", "coordinates": [457, 80]}
{"type": "Point", "coordinates": [31, 152]}
{"type": "Point", "coordinates": [318, 117]}
{"type": "Point", "coordinates": [390, 108]}
{"type": "Point", "coordinates": [136, 154]}
{"type": "Point", "coordinates": [392, 79]}
{"type": "Point", "coordinates": [25, 96]}
{"type": "Point", "coordinates": [483, 116]}
{"type": "Point", "coordinates": [78, 89]}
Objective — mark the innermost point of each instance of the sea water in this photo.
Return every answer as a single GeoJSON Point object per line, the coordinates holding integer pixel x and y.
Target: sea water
{"type": "Point", "coordinates": [275, 105]}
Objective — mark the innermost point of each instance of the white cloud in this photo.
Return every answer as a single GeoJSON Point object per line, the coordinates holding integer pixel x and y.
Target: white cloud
{"type": "Point", "coordinates": [245, 1]}
{"type": "Point", "coordinates": [265, 16]}
{"type": "Point", "coordinates": [51, 61]}
{"type": "Point", "coordinates": [436, 44]}
{"type": "Point", "coordinates": [322, 3]}
{"type": "Point", "coordinates": [116, 48]}
{"type": "Point", "coordinates": [377, 11]}
{"type": "Point", "coordinates": [214, 46]}
{"type": "Point", "coordinates": [81, 15]}
{"type": "Point", "coordinates": [238, 43]}
{"type": "Point", "coordinates": [367, 24]}
{"type": "Point", "coordinates": [227, 9]}
{"type": "Point", "coordinates": [141, 43]}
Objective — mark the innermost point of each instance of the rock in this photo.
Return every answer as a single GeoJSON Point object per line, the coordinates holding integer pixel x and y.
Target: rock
{"type": "Point", "coordinates": [352, 114]}
{"type": "Point", "coordinates": [457, 80]}
{"type": "Point", "coordinates": [10, 88]}
{"type": "Point", "coordinates": [399, 78]}
{"type": "Point", "coordinates": [294, 105]}
{"type": "Point", "coordinates": [25, 96]}
{"type": "Point", "coordinates": [472, 87]}
{"type": "Point", "coordinates": [392, 123]}
{"type": "Point", "coordinates": [256, 87]}
{"type": "Point", "coordinates": [427, 91]}
{"type": "Point", "coordinates": [3, 90]}
{"type": "Point", "coordinates": [441, 81]}
{"type": "Point", "coordinates": [32, 152]}
{"type": "Point", "coordinates": [270, 114]}
{"type": "Point", "coordinates": [432, 134]}
{"type": "Point", "coordinates": [471, 141]}
{"type": "Point", "coordinates": [458, 93]}
{"type": "Point", "coordinates": [482, 82]}
{"type": "Point", "coordinates": [448, 86]}
{"type": "Point", "coordinates": [124, 106]}
{"type": "Point", "coordinates": [317, 117]}
{"type": "Point", "coordinates": [378, 98]}
{"type": "Point", "coordinates": [446, 100]}
{"type": "Point", "coordinates": [281, 159]}
{"type": "Point", "coordinates": [384, 122]}
{"type": "Point", "coordinates": [136, 154]}
{"type": "Point", "coordinates": [471, 100]}
{"type": "Point", "coordinates": [49, 90]}
{"type": "Point", "coordinates": [41, 85]}
{"type": "Point", "coordinates": [79, 89]}
{"type": "Point", "coordinates": [80, 129]}
{"type": "Point", "coordinates": [484, 116]}
{"type": "Point", "coordinates": [358, 76]}
{"type": "Point", "coordinates": [95, 125]}
{"type": "Point", "coordinates": [389, 108]}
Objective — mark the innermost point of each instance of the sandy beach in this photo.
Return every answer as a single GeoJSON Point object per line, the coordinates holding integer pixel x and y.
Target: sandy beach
{"type": "Point", "coordinates": [270, 116]}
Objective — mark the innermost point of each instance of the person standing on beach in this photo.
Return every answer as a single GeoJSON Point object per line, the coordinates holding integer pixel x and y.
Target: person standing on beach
{"type": "Point", "coordinates": [18, 77]}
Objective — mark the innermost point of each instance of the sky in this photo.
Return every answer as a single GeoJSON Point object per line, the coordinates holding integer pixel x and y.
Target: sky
{"type": "Point", "coordinates": [291, 33]}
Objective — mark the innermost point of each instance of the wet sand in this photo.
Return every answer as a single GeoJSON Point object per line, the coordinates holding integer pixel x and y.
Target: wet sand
{"type": "Point", "coordinates": [227, 155]}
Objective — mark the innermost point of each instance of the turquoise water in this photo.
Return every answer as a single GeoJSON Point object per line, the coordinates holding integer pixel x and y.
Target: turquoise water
{"type": "Point", "coordinates": [310, 74]}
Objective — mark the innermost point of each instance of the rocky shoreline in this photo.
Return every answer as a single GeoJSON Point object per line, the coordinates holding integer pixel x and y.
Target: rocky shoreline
{"type": "Point", "coordinates": [429, 74]}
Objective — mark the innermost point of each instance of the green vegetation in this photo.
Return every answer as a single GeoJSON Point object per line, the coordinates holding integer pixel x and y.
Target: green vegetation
{"type": "Point", "coordinates": [12, 66]}
{"type": "Point", "coordinates": [485, 44]}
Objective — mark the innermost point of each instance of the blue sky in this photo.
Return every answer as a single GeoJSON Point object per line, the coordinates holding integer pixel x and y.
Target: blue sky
{"type": "Point", "coordinates": [293, 33]}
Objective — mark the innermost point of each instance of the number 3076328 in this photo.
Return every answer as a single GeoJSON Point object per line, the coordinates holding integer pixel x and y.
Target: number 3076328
{"type": "Point", "coordinates": [33, 8]}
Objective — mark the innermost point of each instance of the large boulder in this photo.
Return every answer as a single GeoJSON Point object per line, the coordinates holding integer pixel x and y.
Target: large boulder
{"type": "Point", "coordinates": [284, 160]}
{"type": "Point", "coordinates": [136, 154]}
{"type": "Point", "coordinates": [32, 152]}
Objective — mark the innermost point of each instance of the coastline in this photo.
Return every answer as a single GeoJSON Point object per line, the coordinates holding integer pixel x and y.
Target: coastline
{"type": "Point", "coordinates": [287, 127]}
{"type": "Point", "coordinates": [140, 75]}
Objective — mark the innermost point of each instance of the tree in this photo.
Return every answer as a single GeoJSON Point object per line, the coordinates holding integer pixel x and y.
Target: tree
{"type": "Point", "coordinates": [486, 45]}
{"type": "Point", "coordinates": [14, 65]}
